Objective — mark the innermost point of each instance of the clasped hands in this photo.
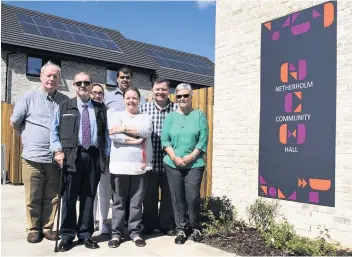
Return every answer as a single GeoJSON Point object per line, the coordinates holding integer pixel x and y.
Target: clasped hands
{"type": "Point", "coordinates": [183, 161]}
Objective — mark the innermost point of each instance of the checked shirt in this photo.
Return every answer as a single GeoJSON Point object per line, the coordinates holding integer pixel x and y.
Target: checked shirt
{"type": "Point", "coordinates": [158, 117]}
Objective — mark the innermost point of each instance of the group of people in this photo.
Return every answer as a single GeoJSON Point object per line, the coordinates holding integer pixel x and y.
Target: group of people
{"type": "Point", "coordinates": [97, 144]}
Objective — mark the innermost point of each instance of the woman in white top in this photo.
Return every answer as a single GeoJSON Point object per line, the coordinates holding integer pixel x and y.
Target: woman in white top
{"type": "Point", "coordinates": [130, 158]}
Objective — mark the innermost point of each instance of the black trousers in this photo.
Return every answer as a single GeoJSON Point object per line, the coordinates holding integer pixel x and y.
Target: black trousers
{"type": "Point", "coordinates": [83, 184]}
{"type": "Point", "coordinates": [154, 218]}
{"type": "Point", "coordinates": [131, 188]}
{"type": "Point", "coordinates": [185, 194]}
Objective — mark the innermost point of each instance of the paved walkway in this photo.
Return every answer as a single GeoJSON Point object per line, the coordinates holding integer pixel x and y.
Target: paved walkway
{"type": "Point", "coordinates": [13, 237]}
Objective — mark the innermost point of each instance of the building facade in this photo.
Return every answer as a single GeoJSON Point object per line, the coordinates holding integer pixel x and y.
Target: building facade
{"type": "Point", "coordinates": [29, 39]}
{"type": "Point", "coordinates": [237, 114]}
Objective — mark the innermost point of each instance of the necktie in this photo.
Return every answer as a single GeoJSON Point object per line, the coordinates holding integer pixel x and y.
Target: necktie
{"type": "Point", "coordinates": [85, 127]}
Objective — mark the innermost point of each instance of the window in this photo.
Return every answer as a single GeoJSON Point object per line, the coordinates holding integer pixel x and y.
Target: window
{"type": "Point", "coordinates": [111, 78]}
{"type": "Point", "coordinates": [35, 64]}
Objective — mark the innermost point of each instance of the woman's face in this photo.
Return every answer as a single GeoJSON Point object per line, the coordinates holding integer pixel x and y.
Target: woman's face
{"type": "Point", "coordinates": [183, 97]}
{"type": "Point", "coordinates": [131, 101]}
{"type": "Point", "coordinates": [97, 94]}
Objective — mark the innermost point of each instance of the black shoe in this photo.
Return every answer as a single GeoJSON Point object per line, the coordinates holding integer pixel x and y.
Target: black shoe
{"type": "Point", "coordinates": [139, 242]}
{"type": "Point", "coordinates": [114, 243]}
{"type": "Point", "coordinates": [89, 243]}
{"type": "Point", "coordinates": [148, 231]}
{"type": "Point", "coordinates": [65, 245]}
{"type": "Point", "coordinates": [180, 237]}
{"type": "Point", "coordinates": [34, 237]}
{"type": "Point", "coordinates": [168, 232]}
{"type": "Point", "coordinates": [196, 236]}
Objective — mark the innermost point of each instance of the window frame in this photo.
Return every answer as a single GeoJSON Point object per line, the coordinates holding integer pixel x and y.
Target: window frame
{"type": "Point", "coordinates": [44, 61]}
{"type": "Point", "coordinates": [106, 78]}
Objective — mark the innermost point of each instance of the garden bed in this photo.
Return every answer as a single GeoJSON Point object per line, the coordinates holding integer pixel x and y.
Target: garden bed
{"type": "Point", "coordinates": [266, 234]}
{"type": "Point", "coordinates": [248, 241]}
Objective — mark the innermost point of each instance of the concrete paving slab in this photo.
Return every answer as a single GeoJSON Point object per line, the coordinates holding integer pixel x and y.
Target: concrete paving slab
{"type": "Point", "coordinates": [14, 243]}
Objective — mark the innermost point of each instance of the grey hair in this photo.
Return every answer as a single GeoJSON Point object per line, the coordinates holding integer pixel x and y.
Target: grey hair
{"type": "Point", "coordinates": [184, 86]}
{"type": "Point", "coordinates": [49, 63]}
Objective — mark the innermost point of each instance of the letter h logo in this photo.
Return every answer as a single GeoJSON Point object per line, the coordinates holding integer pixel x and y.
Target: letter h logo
{"type": "Point", "coordinates": [288, 69]}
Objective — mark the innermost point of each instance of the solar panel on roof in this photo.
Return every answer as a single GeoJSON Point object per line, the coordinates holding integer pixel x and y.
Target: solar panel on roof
{"type": "Point", "coordinates": [95, 42]}
{"type": "Point", "coordinates": [57, 25]}
{"type": "Point", "coordinates": [41, 22]}
{"type": "Point", "coordinates": [24, 18]}
{"type": "Point", "coordinates": [80, 39]}
{"type": "Point", "coordinates": [66, 32]}
{"type": "Point", "coordinates": [47, 32]}
{"type": "Point", "coordinates": [102, 35]}
{"type": "Point", "coordinates": [88, 32]}
{"type": "Point", "coordinates": [29, 28]}
{"type": "Point", "coordinates": [73, 29]}
{"type": "Point", "coordinates": [110, 45]}
{"type": "Point", "coordinates": [173, 61]}
{"type": "Point", "coordinates": [64, 35]}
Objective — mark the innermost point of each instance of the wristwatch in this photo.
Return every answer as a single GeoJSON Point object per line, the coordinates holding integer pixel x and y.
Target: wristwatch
{"type": "Point", "coordinates": [125, 129]}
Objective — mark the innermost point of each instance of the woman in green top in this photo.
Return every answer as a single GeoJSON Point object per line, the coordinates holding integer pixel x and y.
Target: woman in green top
{"type": "Point", "coordinates": [185, 137]}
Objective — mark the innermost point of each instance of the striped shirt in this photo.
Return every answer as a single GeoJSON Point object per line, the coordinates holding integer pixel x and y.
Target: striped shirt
{"type": "Point", "coordinates": [32, 116]}
{"type": "Point", "coordinates": [158, 117]}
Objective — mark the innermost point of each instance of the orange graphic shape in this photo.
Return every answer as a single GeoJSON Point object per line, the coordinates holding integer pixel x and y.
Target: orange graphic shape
{"type": "Point", "coordinates": [304, 183]}
{"type": "Point", "coordinates": [299, 182]}
{"type": "Point", "coordinates": [280, 194]}
{"type": "Point", "coordinates": [299, 108]}
{"type": "Point", "coordinates": [284, 72]}
{"type": "Point", "coordinates": [320, 184]}
{"type": "Point", "coordinates": [328, 14]}
{"type": "Point", "coordinates": [294, 133]}
{"type": "Point", "coordinates": [268, 25]}
{"type": "Point", "coordinates": [265, 189]}
{"type": "Point", "coordinates": [299, 95]}
{"type": "Point", "coordinates": [283, 134]}
{"type": "Point", "coordinates": [294, 75]}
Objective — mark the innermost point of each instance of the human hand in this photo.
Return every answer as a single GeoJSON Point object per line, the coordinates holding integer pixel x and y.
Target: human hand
{"type": "Point", "coordinates": [59, 158]}
{"type": "Point", "coordinates": [187, 158]}
{"type": "Point", "coordinates": [116, 129]}
{"type": "Point", "coordinates": [179, 162]}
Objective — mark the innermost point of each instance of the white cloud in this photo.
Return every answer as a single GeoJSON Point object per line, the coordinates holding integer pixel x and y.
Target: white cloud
{"type": "Point", "coordinates": [202, 4]}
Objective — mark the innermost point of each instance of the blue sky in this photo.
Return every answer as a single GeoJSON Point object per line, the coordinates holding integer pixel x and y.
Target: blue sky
{"type": "Point", "coordinates": [186, 26]}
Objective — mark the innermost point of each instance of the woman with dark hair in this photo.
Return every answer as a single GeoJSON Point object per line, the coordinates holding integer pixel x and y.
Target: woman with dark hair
{"type": "Point", "coordinates": [130, 158]}
{"type": "Point", "coordinates": [102, 199]}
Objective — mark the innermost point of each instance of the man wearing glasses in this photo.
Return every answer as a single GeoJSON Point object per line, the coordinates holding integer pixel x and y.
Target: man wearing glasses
{"type": "Point", "coordinates": [79, 140]}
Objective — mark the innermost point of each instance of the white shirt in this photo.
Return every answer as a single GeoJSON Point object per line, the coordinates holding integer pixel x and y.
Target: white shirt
{"type": "Point", "coordinates": [127, 159]}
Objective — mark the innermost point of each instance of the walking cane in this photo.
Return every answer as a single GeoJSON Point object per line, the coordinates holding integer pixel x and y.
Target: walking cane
{"type": "Point", "coordinates": [59, 208]}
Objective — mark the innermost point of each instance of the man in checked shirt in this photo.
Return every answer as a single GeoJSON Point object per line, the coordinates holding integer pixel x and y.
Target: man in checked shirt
{"type": "Point", "coordinates": [158, 108]}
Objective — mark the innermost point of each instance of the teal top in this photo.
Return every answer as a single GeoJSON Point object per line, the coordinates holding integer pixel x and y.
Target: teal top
{"type": "Point", "coordinates": [184, 133]}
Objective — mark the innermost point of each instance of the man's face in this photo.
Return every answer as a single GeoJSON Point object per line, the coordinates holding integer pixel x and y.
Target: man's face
{"type": "Point", "coordinates": [124, 80]}
{"type": "Point", "coordinates": [161, 92]}
{"type": "Point", "coordinates": [50, 78]}
{"type": "Point", "coordinates": [83, 85]}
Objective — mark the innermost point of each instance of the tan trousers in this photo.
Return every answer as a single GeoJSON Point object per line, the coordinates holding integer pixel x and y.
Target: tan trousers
{"type": "Point", "coordinates": [42, 185]}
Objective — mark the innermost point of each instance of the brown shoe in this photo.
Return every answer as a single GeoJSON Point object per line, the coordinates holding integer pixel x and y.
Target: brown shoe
{"type": "Point", "coordinates": [34, 237]}
{"type": "Point", "coordinates": [50, 235]}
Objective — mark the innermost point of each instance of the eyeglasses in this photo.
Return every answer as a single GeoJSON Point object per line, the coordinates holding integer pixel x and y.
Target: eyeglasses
{"type": "Point", "coordinates": [82, 83]}
{"type": "Point", "coordinates": [97, 93]}
{"type": "Point", "coordinates": [125, 77]}
{"type": "Point", "coordinates": [184, 96]}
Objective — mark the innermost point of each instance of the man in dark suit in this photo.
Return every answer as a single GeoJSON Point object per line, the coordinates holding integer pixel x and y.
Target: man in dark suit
{"type": "Point", "coordinates": [80, 142]}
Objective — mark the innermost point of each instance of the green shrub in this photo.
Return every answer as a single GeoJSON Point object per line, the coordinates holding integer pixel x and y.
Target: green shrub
{"type": "Point", "coordinates": [262, 214]}
{"type": "Point", "coordinates": [281, 234]}
{"type": "Point", "coordinates": [218, 216]}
